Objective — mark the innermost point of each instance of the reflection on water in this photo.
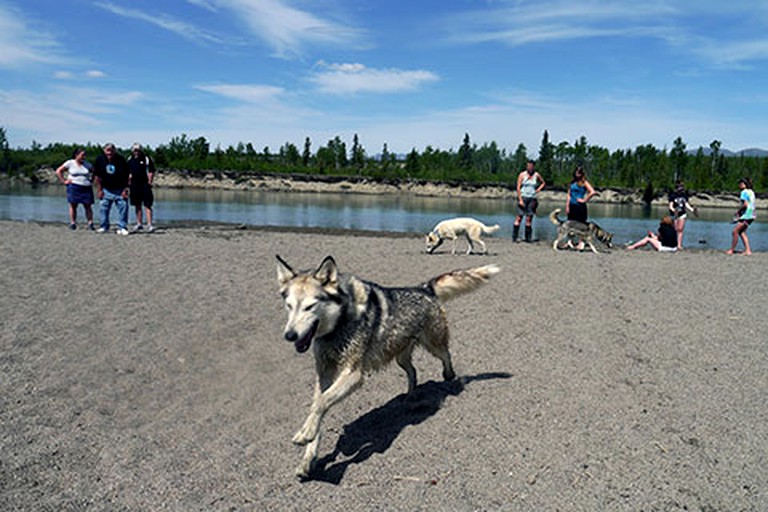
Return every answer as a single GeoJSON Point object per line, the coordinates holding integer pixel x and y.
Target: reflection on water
{"type": "Point", "coordinates": [403, 213]}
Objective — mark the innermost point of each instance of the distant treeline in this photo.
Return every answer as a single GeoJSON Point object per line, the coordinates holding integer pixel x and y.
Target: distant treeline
{"type": "Point", "coordinates": [645, 167]}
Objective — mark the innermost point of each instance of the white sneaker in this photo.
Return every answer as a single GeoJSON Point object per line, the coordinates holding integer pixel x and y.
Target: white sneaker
{"type": "Point", "coordinates": [101, 230]}
{"type": "Point", "coordinates": [138, 227]}
{"type": "Point", "coordinates": [150, 229]}
{"type": "Point", "coordinates": [122, 231]}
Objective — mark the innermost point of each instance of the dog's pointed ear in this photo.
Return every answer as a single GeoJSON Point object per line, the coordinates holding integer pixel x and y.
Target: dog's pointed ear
{"type": "Point", "coordinates": [284, 271]}
{"type": "Point", "coordinates": [327, 273]}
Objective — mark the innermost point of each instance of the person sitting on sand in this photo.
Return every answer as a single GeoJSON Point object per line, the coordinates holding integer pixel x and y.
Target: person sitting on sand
{"type": "Point", "coordinates": [663, 241]}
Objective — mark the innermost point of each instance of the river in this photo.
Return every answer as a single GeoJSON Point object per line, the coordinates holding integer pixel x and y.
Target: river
{"type": "Point", "coordinates": [398, 213]}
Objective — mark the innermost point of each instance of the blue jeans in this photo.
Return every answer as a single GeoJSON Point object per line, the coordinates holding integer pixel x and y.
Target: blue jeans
{"type": "Point", "coordinates": [106, 205]}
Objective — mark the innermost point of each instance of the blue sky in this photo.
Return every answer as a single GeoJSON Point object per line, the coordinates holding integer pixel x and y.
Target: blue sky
{"type": "Point", "coordinates": [408, 73]}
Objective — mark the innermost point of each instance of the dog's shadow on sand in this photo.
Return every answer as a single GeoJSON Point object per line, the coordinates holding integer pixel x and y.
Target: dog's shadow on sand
{"type": "Point", "coordinates": [375, 431]}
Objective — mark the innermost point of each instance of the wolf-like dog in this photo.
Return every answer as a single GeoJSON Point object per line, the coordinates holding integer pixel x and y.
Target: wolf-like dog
{"type": "Point", "coordinates": [356, 327]}
{"type": "Point", "coordinates": [583, 232]}
{"type": "Point", "coordinates": [450, 229]}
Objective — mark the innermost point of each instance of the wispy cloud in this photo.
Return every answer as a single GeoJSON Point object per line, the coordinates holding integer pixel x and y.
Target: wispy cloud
{"type": "Point", "coordinates": [288, 30]}
{"type": "Point", "coordinates": [163, 21]}
{"type": "Point", "coordinates": [71, 75]}
{"type": "Point", "coordinates": [357, 78]}
{"type": "Point", "coordinates": [22, 44]}
{"type": "Point", "coordinates": [243, 92]}
{"type": "Point", "coordinates": [517, 23]}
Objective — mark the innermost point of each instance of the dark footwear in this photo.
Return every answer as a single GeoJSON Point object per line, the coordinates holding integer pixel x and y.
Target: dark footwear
{"type": "Point", "coordinates": [91, 227]}
{"type": "Point", "coordinates": [73, 226]}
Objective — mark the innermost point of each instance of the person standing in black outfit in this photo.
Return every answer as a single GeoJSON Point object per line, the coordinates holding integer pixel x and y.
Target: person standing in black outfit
{"type": "Point", "coordinates": [111, 177]}
{"type": "Point", "coordinates": [679, 206]}
{"type": "Point", "coordinates": [142, 170]}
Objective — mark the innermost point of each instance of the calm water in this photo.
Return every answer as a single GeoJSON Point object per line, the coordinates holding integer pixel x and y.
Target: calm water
{"type": "Point", "coordinates": [711, 230]}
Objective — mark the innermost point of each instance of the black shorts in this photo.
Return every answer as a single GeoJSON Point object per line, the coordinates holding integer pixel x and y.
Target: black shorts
{"type": "Point", "coordinates": [578, 212]}
{"type": "Point", "coordinates": [142, 194]}
{"type": "Point", "coordinates": [530, 204]}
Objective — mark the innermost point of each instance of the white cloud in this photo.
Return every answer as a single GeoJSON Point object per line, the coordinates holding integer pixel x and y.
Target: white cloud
{"type": "Point", "coordinates": [22, 44]}
{"type": "Point", "coordinates": [243, 92]}
{"type": "Point", "coordinates": [520, 23]}
{"type": "Point", "coordinates": [63, 75]}
{"type": "Point", "coordinates": [288, 30]}
{"type": "Point", "coordinates": [356, 78]}
{"type": "Point", "coordinates": [181, 28]}
{"type": "Point", "coordinates": [71, 75]}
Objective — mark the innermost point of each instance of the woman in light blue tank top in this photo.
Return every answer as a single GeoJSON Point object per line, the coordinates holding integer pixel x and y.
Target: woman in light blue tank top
{"type": "Point", "coordinates": [529, 184]}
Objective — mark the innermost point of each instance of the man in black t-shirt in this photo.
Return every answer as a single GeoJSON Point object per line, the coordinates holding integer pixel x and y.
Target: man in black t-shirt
{"type": "Point", "coordinates": [142, 170]}
{"type": "Point", "coordinates": [111, 176]}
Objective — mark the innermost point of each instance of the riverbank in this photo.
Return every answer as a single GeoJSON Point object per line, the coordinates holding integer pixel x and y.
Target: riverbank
{"type": "Point", "coordinates": [357, 185]}
{"type": "Point", "coordinates": [152, 375]}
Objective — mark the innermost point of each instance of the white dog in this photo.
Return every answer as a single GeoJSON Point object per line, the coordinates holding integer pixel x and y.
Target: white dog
{"type": "Point", "coordinates": [450, 229]}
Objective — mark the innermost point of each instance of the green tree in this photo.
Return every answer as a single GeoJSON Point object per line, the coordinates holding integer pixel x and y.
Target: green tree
{"type": "Point", "coordinates": [358, 155]}
{"type": "Point", "coordinates": [412, 165]}
{"type": "Point", "coordinates": [545, 158]}
{"type": "Point", "coordinates": [5, 152]}
{"type": "Point", "coordinates": [679, 157]}
{"type": "Point", "coordinates": [466, 152]}
{"type": "Point", "coordinates": [306, 155]}
{"type": "Point", "coordinates": [519, 160]}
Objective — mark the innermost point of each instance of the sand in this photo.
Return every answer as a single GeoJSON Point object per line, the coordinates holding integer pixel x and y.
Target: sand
{"type": "Point", "coordinates": [148, 373]}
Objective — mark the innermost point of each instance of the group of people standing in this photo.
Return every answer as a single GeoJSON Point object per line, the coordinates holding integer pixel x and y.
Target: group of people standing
{"type": "Point", "coordinates": [668, 238]}
{"type": "Point", "coordinates": [118, 181]}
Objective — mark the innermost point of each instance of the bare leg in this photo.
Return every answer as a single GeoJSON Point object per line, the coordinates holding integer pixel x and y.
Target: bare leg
{"type": "Point", "coordinates": [744, 239]}
{"type": "Point", "coordinates": [735, 237]}
{"type": "Point", "coordinates": [680, 227]}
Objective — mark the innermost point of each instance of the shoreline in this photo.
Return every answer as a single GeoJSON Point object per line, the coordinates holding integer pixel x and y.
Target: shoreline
{"type": "Point", "coordinates": [319, 184]}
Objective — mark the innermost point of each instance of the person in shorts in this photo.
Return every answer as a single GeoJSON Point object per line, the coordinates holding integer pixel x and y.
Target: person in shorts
{"type": "Point", "coordinates": [142, 171]}
{"type": "Point", "coordinates": [79, 187]}
{"type": "Point", "coordinates": [529, 184]}
{"type": "Point", "coordinates": [663, 241]}
{"type": "Point", "coordinates": [679, 206]}
{"type": "Point", "coordinates": [744, 216]}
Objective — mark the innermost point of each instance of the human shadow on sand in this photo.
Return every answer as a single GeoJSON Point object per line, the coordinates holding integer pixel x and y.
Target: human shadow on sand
{"type": "Point", "coordinates": [375, 431]}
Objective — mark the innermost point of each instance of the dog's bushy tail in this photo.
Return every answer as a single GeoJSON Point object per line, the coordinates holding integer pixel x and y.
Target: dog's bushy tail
{"type": "Point", "coordinates": [491, 229]}
{"type": "Point", "coordinates": [458, 282]}
{"type": "Point", "coordinates": [553, 217]}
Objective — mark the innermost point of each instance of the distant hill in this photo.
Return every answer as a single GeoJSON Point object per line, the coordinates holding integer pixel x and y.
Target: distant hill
{"type": "Point", "coordinates": [727, 152]}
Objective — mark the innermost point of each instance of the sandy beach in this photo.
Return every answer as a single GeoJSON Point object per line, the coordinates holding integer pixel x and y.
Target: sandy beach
{"type": "Point", "coordinates": [148, 372]}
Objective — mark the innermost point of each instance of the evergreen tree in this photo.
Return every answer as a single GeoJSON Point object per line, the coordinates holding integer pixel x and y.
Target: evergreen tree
{"type": "Point", "coordinates": [5, 152]}
{"type": "Point", "coordinates": [465, 154]}
{"type": "Point", "coordinates": [358, 155]}
{"type": "Point", "coordinates": [545, 157]}
{"type": "Point", "coordinates": [306, 156]}
{"type": "Point", "coordinates": [519, 160]}
{"type": "Point", "coordinates": [412, 165]}
{"type": "Point", "coordinates": [679, 158]}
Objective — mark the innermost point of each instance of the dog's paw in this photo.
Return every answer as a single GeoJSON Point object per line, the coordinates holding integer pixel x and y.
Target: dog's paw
{"type": "Point", "coordinates": [306, 435]}
{"type": "Point", "coordinates": [304, 469]}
